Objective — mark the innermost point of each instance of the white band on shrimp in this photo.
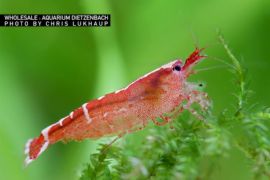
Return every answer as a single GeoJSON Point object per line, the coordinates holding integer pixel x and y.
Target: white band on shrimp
{"type": "Point", "coordinates": [86, 114]}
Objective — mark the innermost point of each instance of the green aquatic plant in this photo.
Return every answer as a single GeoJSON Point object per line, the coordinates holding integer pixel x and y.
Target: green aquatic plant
{"type": "Point", "coordinates": [191, 149]}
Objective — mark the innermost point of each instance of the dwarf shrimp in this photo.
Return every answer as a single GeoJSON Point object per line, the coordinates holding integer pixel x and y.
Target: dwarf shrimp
{"type": "Point", "coordinates": [158, 94]}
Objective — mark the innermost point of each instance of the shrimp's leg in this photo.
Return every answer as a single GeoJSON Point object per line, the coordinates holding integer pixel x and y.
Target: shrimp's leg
{"type": "Point", "coordinates": [137, 128]}
{"type": "Point", "coordinates": [177, 112]}
{"type": "Point", "coordinates": [200, 98]}
{"type": "Point", "coordinates": [123, 133]}
{"type": "Point", "coordinates": [169, 118]}
{"type": "Point", "coordinates": [109, 145]}
{"type": "Point", "coordinates": [113, 141]}
{"type": "Point", "coordinates": [165, 121]}
{"type": "Point", "coordinates": [196, 114]}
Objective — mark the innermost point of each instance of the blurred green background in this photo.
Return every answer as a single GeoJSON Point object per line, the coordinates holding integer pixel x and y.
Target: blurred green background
{"type": "Point", "coordinates": [47, 72]}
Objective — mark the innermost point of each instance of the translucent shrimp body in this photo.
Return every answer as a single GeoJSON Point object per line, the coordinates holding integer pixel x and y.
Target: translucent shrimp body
{"type": "Point", "coordinates": [159, 92]}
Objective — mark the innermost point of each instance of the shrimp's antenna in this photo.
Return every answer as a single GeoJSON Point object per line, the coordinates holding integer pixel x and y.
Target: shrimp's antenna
{"type": "Point", "coordinates": [194, 38]}
{"type": "Point", "coordinates": [197, 43]}
{"type": "Point", "coordinates": [210, 68]}
{"type": "Point", "coordinates": [221, 60]}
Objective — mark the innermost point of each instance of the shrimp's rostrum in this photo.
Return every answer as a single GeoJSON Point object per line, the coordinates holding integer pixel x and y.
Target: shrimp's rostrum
{"type": "Point", "coordinates": [159, 92]}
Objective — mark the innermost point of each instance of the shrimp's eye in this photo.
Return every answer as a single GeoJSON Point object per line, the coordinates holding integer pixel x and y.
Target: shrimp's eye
{"type": "Point", "coordinates": [177, 68]}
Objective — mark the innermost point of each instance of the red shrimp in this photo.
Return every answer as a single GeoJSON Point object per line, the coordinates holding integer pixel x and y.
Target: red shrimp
{"type": "Point", "coordinates": [158, 94]}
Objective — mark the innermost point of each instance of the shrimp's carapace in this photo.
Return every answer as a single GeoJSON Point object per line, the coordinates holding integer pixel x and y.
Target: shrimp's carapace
{"type": "Point", "coordinates": [158, 94]}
